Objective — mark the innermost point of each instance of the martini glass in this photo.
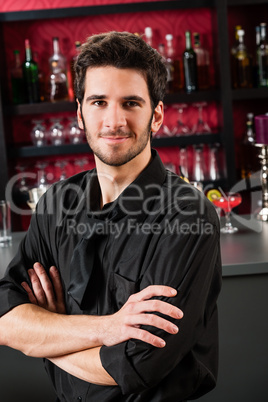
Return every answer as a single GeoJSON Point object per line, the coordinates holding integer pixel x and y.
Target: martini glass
{"type": "Point", "coordinates": [227, 202]}
{"type": "Point", "coordinates": [201, 127]}
{"type": "Point", "coordinates": [181, 128]}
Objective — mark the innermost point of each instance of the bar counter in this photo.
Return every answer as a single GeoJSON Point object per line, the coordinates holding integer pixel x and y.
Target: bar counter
{"type": "Point", "coordinates": [243, 325]}
{"type": "Point", "coordinates": [243, 253]}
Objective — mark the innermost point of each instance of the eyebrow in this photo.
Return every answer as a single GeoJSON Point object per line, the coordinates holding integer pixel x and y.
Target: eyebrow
{"type": "Point", "coordinates": [126, 98]}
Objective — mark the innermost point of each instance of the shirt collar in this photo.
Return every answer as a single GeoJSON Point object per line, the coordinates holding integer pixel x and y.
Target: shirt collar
{"type": "Point", "coordinates": [132, 199]}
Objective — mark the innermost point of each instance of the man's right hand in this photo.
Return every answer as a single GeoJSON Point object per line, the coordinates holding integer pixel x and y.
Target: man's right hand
{"type": "Point", "coordinates": [120, 326]}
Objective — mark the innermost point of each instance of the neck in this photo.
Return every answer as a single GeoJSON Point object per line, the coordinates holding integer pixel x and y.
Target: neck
{"type": "Point", "coordinates": [114, 179]}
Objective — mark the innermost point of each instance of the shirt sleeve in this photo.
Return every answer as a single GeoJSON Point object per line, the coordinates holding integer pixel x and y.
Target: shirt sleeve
{"type": "Point", "coordinates": [190, 262]}
{"type": "Point", "coordinates": [35, 247]}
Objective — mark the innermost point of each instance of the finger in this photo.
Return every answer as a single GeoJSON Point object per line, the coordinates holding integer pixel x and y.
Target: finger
{"type": "Point", "coordinates": [155, 321]}
{"type": "Point", "coordinates": [147, 337]}
{"type": "Point", "coordinates": [158, 306]}
{"type": "Point", "coordinates": [29, 292]}
{"type": "Point", "coordinates": [58, 288]}
{"type": "Point", "coordinates": [37, 288]}
{"type": "Point", "coordinates": [153, 290]}
{"type": "Point", "coordinates": [46, 285]}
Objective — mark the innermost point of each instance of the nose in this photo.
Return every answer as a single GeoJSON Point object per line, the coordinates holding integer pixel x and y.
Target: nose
{"type": "Point", "coordinates": [114, 117]}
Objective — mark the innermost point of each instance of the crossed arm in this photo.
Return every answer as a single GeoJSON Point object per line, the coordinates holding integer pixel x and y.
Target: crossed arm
{"type": "Point", "coordinates": [42, 329]}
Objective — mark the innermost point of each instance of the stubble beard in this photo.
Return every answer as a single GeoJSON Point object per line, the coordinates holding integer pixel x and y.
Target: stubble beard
{"type": "Point", "coordinates": [116, 157]}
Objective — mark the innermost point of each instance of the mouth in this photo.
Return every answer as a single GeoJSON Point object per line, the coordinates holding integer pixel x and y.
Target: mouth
{"type": "Point", "coordinates": [115, 139]}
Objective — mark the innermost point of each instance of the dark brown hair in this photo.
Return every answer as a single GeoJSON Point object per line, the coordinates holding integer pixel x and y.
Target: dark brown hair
{"type": "Point", "coordinates": [122, 50]}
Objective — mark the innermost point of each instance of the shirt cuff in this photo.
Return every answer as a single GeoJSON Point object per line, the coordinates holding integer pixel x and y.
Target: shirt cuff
{"type": "Point", "coordinates": [115, 362]}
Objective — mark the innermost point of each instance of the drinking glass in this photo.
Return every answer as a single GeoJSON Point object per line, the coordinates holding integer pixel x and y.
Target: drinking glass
{"type": "Point", "coordinates": [164, 130]}
{"type": "Point", "coordinates": [227, 202]}
{"type": "Point", "coordinates": [201, 127]}
{"type": "Point", "coordinates": [181, 128]}
{"type": "Point", "coordinates": [5, 224]}
{"type": "Point", "coordinates": [38, 133]}
{"type": "Point", "coordinates": [198, 163]}
{"type": "Point", "coordinates": [213, 166]}
{"type": "Point", "coordinates": [75, 135]}
{"type": "Point", "coordinates": [61, 165]}
{"type": "Point", "coordinates": [41, 175]}
{"type": "Point", "coordinates": [183, 162]}
{"type": "Point", "coordinates": [56, 134]}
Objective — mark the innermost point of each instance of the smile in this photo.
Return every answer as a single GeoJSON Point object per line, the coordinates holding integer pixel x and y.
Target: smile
{"type": "Point", "coordinates": [115, 140]}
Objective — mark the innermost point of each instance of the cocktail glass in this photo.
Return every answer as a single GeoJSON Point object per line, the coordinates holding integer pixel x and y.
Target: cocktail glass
{"type": "Point", "coordinates": [227, 202]}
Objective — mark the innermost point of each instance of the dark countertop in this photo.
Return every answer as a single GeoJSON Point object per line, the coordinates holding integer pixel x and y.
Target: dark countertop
{"type": "Point", "coordinates": [243, 253]}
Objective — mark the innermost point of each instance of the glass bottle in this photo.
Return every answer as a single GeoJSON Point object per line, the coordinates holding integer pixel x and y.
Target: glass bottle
{"type": "Point", "coordinates": [30, 75]}
{"type": "Point", "coordinates": [202, 59]}
{"type": "Point", "coordinates": [255, 71]}
{"type": "Point", "coordinates": [148, 36]}
{"type": "Point", "coordinates": [249, 154]}
{"type": "Point", "coordinates": [189, 65]}
{"type": "Point", "coordinates": [162, 51]}
{"type": "Point", "coordinates": [262, 58]}
{"type": "Point", "coordinates": [173, 58]}
{"type": "Point", "coordinates": [242, 67]}
{"type": "Point", "coordinates": [17, 83]}
{"type": "Point", "coordinates": [73, 60]}
{"type": "Point", "coordinates": [58, 82]}
{"type": "Point", "coordinates": [170, 62]}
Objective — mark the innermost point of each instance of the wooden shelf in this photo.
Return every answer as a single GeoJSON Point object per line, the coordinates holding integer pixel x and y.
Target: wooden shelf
{"type": "Point", "coordinates": [60, 107]}
{"type": "Point", "coordinates": [245, 2]}
{"type": "Point", "coordinates": [103, 9]}
{"type": "Point", "coordinates": [250, 93]}
{"type": "Point", "coordinates": [29, 151]}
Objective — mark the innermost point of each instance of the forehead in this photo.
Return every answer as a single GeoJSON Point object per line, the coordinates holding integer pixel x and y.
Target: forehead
{"type": "Point", "coordinates": [109, 78]}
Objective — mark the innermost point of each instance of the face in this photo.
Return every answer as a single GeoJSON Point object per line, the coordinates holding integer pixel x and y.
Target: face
{"type": "Point", "coordinates": [117, 115]}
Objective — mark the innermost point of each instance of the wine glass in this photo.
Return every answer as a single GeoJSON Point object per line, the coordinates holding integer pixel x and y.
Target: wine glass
{"type": "Point", "coordinates": [227, 202]}
{"type": "Point", "coordinates": [201, 127]}
{"type": "Point", "coordinates": [164, 130]}
{"type": "Point", "coordinates": [38, 133]}
{"type": "Point", "coordinates": [56, 133]}
{"type": "Point", "coordinates": [75, 135]}
{"type": "Point", "coordinates": [181, 128]}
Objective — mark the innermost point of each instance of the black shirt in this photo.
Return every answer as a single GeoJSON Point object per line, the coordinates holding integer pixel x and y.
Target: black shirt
{"type": "Point", "coordinates": [160, 230]}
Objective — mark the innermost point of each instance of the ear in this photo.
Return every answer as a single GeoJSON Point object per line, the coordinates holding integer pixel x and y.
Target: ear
{"type": "Point", "coordinates": [158, 117]}
{"type": "Point", "coordinates": [79, 115]}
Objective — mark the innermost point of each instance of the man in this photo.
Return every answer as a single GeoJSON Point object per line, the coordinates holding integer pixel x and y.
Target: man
{"type": "Point", "coordinates": [132, 249]}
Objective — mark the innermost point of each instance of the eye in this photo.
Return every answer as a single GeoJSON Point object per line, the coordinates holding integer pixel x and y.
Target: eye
{"type": "Point", "coordinates": [131, 104]}
{"type": "Point", "coordinates": [99, 103]}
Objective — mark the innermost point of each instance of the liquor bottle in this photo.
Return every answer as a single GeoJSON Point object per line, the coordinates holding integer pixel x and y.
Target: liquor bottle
{"type": "Point", "coordinates": [148, 36]}
{"type": "Point", "coordinates": [170, 62]}
{"type": "Point", "coordinates": [255, 69]}
{"type": "Point", "coordinates": [242, 69]}
{"type": "Point", "coordinates": [249, 154]}
{"type": "Point", "coordinates": [17, 83]}
{"type": "Point", "coordinates": [234, 47]}
{"type": "Point", "coordinates": [72, 70]}
{"type": "Point", "coordinates": [30, 75]}
{"type": "Point", "coordinates": [174, 65]}
{"type": "Point", "coordinates": [41, 78]}
{"type": "Point", "coordinates": [233, 54]}
{"type": "Point", "coordinates": [189, 65]}
{"type": "Point", "coordinates": [162, 52]}
{"type": "Point", "coordinates": [262, 58]}
{"type": "Point", "coordinates": [58, 82]}
{"type": "Point", "coordinates": [202, 59]}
